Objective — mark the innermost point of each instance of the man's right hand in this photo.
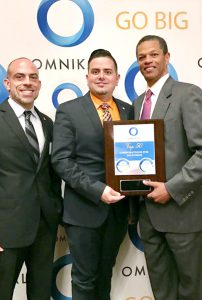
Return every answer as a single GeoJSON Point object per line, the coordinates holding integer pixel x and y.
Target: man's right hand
{"type": "Point", "coordinates": [110, 196]}
{"type": "Point", "coordinates": [1, 249]}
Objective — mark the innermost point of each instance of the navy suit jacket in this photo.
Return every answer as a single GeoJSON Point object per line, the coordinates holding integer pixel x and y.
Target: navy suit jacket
{"type": "Point", "coordinates": [78, 158]}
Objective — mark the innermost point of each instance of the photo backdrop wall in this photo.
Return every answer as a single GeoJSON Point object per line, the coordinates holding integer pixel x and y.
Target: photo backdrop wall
{"type": "Point", "coordinates": [59, 35]}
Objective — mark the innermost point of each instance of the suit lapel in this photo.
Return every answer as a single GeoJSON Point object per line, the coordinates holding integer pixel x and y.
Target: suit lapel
{"type": "Point", "coordinates": [164, 100]}
{"type": "Point", "coordinates": [138, 105]}
{"type": "Point", "coordinates": [122, 110]}
{"type": "Point", "coordinates": [14, 124]}
{"type": "Point", "coordinates": [45, 127]}
{"type": "Point", "coordinates": [162, 103]}
{"type": "Point", "coordinates": [91, 113]}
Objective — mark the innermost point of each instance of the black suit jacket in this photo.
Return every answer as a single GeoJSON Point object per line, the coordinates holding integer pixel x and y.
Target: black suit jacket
{"type": "Point", "coordinates": [78, 158]}
{"type": "Point", "coordinates": [26, 188]}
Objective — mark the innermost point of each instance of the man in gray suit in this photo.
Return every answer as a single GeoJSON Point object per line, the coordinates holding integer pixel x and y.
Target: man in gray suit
{"type": "Point", "coordinates": [171, 215]}
{"type": "Point", "coordinates": [95, 215]}
{"type": "Point", "coordinates": [30, 191]}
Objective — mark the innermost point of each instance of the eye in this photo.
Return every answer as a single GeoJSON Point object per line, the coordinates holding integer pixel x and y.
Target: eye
{"type": "Point", "coordinates": [154, 54]}
{"type": "Point", "coordinates": [19, 76]}
{"type": "Point", "coordinates": [34, 77]}
{"type": "Point", "coordinates": [140, 58]}
{"type": "Point", "coordinates": [109, 72]}
{"type": "Point", "coordinates": [94, 72]}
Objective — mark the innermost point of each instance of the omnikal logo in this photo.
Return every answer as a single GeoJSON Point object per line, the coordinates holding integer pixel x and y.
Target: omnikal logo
{"type": "Point", "coordinates": [130, 78]}
{"type": "Point", "coordinates": [64, 86]}
{"type": "Point", "coordinates": [66, 41]}
{"type": "Point", "coordinates": [58, 265]}
{"type": "Point", "coordinates": [134, 237]}
{"type": "Point", "coordinates": [3, 90]}
{"type": "Point", "coordinates": [133, 131]}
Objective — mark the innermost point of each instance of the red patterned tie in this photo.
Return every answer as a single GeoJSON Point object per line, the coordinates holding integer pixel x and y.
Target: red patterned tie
{"type": "Point", "coordinates": [106, 113]}
{"type": "Point", "coordinates": [146, 111]}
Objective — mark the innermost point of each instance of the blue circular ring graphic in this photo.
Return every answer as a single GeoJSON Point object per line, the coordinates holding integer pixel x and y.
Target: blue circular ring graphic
{"type": "Point", "coordinates": [133, 131]}
{"type": "Point", "coordinates": [145, 160]}
{"type": "Point", "coordinates": [3, 91]}
{"type": "Point", "coordinates": [61, 87]}
{"type": "Point", "coordinates": [120, 162]}
{"type": "Point", "coordinates": [132, 73]}
{"type": "Point", "coordinates": [57, 266]}
{"type": "Point", "coordinates": [66, 41]}
{"type": "Point", "coordinates": [134, 237]}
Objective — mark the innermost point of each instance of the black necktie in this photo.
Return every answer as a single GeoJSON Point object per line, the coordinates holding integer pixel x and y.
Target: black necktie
{"type": "Point", "coordinates": [106, 113]}
{"type": "Point", "coordinates": [31, 134]}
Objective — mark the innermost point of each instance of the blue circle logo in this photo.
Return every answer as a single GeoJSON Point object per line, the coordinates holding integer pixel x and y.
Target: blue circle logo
{"type": "Point", "coordinates": [61, 87]}
{"type": "Point", "coordinates": [66, 41]}
{"type": "Point", "coordinates": [134, 237]}
{"type": "Point", "coordinates": [3, 91]}
{"type": "Point", "coordinates": [146, 165]}
{"type": "Point", "coordinates": [133, 131]}
{"type": "Point", "coordinates": [122, 165]}
{"type": "Point", "coordinates": [132, 73]}
{"type": "Point", "coordinates": [57, 266]}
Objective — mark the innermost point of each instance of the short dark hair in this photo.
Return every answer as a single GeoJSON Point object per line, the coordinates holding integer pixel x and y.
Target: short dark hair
{"type": "Point", "coordinates": [102, 53]}
{"type": "Point", "coordinates": [162, 42]}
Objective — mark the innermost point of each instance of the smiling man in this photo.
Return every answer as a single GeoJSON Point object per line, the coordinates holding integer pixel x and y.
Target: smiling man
{"type": "Point", "coordinates": [95, 215]}
{"type": "Point", "coordinates": [171, 215]}
{"type": "Point", "coordinates": [30, 191]}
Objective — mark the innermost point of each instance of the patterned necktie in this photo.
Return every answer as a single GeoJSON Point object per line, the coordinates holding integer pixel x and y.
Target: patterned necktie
{"type": "Point", "coordinates": [31, 134]}
{"type": "Point", "coordinates": [146, 111]}
{"type": "Point", "coordinates": [106, 113]}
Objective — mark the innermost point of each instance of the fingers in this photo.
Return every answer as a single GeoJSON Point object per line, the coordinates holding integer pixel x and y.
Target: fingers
{"type": "Point", "coordinates": [110, 196]}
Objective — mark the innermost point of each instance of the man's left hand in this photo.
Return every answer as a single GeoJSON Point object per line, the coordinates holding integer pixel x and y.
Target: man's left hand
{"type": "Point", "coordinates": [159, 193]}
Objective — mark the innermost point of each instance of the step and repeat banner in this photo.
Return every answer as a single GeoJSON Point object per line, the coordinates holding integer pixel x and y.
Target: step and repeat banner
{"type": "Point", "coordinates": [59, 35]}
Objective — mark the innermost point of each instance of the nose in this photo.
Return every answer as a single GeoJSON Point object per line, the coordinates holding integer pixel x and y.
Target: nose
{"type": "Point", "coordinates": [27, 80]}
{"type": "Point", "coordinates": [102, 74]}
{"type": "Point", "coordinates": [148, 59]}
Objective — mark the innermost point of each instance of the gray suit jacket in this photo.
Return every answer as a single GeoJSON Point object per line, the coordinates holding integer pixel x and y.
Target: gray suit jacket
{"type": "Point", "coordinates": [78, 158]}
{"type": "Point", "coordinates": [26, 188]}
{"type": "Point", "coordinates": [180, 105]}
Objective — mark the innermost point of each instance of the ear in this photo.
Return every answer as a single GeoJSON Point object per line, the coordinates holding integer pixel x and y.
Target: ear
{"type": "Point", "coordinates": [7, 84]}
{"type": "Point", "coordinates": [117, 79]}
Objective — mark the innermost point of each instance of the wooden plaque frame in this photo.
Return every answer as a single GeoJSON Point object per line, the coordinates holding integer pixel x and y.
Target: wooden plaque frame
{"type": "Point", "coordinates": [132, 184]}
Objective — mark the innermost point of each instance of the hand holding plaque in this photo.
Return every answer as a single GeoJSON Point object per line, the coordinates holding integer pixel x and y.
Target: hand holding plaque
{"type": "Point", "coordinates": [134, 151]}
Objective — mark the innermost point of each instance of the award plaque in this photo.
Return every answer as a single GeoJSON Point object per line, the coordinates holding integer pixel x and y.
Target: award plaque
{"type": "Point", "coordinates": [134, 151]}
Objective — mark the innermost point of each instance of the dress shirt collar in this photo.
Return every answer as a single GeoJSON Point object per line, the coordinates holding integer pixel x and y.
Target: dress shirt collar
{"type": "Point", "coordinates": [19, 110]}
{"type": "Point", "coordinates": [156, 88]}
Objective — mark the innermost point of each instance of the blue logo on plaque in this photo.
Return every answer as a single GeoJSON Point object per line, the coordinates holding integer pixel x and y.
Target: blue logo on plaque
{"type": "Point", "coordinates": [133, 131]}
{"type": "Point", "coordinates": [123, 165]}
{"type": "Point", "coordinates": [146, 164]}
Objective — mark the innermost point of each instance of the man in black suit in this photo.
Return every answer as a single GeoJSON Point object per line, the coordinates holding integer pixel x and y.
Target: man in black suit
{"type": "Point", "coordinates": [30, 198]}
{"type": "Point", "coordinates": [95, 215]}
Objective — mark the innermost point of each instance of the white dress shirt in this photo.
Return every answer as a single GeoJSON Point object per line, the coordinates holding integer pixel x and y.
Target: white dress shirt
{"type": "Point", "coordinates": [19, 111]}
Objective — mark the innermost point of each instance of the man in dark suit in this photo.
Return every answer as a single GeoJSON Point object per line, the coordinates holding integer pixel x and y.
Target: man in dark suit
{"type": "Point", "coordinates": [30, 198]}
{"type": "Point", "coordinates": [95, 215]}
{"type": "Point", "coordinates": [171, 216]}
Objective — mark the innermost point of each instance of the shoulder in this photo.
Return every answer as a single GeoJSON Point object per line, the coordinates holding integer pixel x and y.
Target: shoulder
{"type": "Point", "coordinates": [43, 116]}
{"type": "Point", "coordinates": [122, 103]}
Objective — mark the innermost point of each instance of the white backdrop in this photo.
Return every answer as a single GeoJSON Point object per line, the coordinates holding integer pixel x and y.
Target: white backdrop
{"type": "Point", "coordinates": [59, 35]}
